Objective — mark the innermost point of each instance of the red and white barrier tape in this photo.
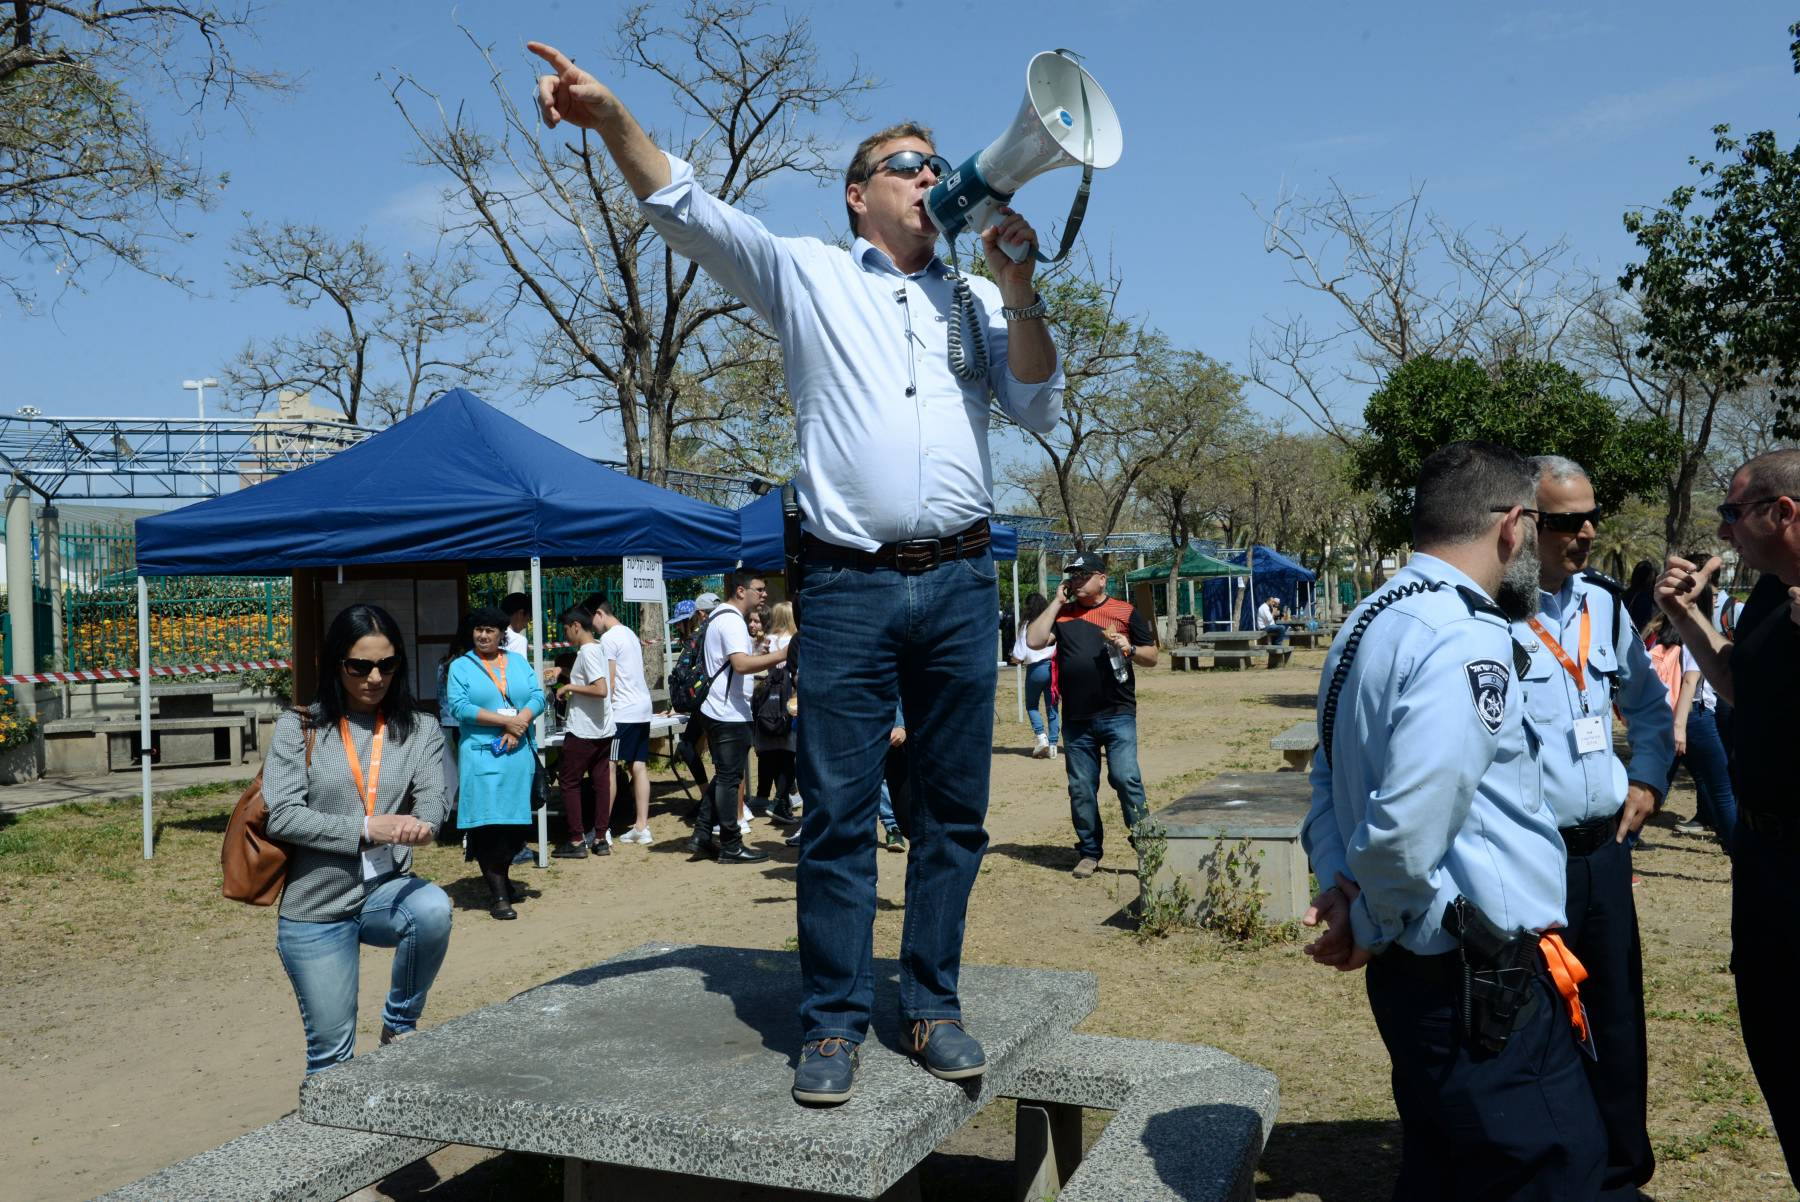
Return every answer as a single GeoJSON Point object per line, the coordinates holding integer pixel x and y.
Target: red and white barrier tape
{"type": "Point", "coordinates": [92, 674]}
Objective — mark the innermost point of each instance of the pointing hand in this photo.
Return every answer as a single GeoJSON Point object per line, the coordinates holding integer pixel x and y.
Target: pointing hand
{"type": "Point", "coordinates": [571, 94]}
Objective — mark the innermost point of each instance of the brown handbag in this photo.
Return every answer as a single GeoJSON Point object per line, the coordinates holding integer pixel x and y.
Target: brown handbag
{"type": "Point", "coordinates": [256, 865]}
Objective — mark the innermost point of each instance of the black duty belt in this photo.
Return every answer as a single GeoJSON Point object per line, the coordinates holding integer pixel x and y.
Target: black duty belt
{"type": "Point", "coordinates": [1589, 837]}
{"type": "Point", "coordinates": [913, 555]}
{"type": "Point", "coordinates": [1444, 969]}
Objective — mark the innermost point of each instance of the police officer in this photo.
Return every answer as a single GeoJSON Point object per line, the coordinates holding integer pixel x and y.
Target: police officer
{"type": "Point", "coordinates": [1428, 815]}
{"type": "Point", "coordinates": [1585, 658]}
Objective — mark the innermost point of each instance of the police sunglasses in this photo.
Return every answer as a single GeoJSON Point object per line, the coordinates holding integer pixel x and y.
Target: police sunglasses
{"type": "Point", "coordinates": [1731, 511]}
{"type": "Point", "coordinates": [906, 164]}
{"type": "Point", "coordinates": [1568, 523]}
{"type": "Point", "coordinates": [362, 667]}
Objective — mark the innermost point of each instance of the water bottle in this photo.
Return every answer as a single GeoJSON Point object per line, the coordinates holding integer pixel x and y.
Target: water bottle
{"type": "Point", "coordinates": [1118, 661]}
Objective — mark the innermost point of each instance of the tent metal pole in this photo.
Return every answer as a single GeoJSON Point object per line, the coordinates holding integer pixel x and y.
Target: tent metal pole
{"type": "Point", "coordinates": [143, 600]}
{"type": "Point", "coordinates": [537, 668]}
{"type": "Point", "coordinates": [1019, 669]}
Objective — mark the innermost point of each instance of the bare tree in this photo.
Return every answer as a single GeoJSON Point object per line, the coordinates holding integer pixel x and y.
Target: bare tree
{"type": "Point", "coordinates": [626, 326]}
{"type": "Point", "coordinates": [85, 179]}
{"type": "Point", "coordinates": [1403, 283]}
{"type": "Point", "coordinates": [417, 319]}
{"type": "Point", "coordinates": [739, 423]}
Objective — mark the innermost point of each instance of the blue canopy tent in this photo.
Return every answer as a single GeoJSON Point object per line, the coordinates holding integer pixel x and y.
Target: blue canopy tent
{"type": "Point", "coordinates": [458, 482]}
{"type": "Point", "coordinates": [1272, 574]}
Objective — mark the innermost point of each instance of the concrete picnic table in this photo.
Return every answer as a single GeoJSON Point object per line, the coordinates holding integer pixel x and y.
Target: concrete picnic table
{"type": "Point", "coordinates": [1236, 645]}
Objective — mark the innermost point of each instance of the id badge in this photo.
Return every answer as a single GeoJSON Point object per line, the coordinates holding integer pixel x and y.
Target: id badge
{"type": "Point", "coordinates": [507, 711]}
{"type": "Point", "coordinates": [1591, 735]}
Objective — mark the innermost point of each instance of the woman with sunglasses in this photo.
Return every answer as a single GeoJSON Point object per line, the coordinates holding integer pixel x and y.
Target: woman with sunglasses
{"type": "Point", "coordinates": [495, 696]}
{"type": "Point", "coordinates": [353, 785]}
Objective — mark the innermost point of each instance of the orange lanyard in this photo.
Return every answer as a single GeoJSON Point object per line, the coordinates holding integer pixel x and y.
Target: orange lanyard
{"type": "Point", "coordinates": [356, 772]}
{"type": "Point", "coordinates": [1573, 667]}
{"type": "Point", "coordinates": [499, 678]}
{"type": "Point", "coordinates": [1568, 973]}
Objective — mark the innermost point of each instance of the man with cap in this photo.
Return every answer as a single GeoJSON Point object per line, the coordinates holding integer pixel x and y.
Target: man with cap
{"type": "Point", "coordinates": [1441, 857]}
{"type": "Point", "coordinates": [1585, 659]}
{"type": "Point", "coordinates": [1098, 640]}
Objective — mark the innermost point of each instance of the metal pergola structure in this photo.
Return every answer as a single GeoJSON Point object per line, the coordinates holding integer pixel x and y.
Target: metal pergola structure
{"type": "Point", "coordinates": [167, 458]}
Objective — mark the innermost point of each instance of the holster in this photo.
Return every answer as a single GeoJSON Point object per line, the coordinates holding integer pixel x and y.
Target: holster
{"type": "Point", "coordinates": [1495, 993]}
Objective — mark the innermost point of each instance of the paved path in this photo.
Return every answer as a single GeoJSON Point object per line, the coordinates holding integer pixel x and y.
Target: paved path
{"type": "Point", "coordinates": [114, 786]}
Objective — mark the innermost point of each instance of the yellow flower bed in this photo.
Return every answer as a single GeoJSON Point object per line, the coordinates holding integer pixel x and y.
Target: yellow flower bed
{"type": "Point", "coordinates": [181, 639]}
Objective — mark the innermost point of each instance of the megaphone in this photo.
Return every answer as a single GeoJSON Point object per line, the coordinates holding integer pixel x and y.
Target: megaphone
{"type": "Point", "coordinates": [1066, 121]}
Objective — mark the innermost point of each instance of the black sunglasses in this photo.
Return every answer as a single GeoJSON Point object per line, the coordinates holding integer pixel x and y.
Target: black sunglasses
{"type": "Point", "coordinates": [1731, 511]}
{"type": "Point", "coordinates": [1568, 523]}
{"type": "Point", "coordinates": [906, 164]}
{"type": "Point", "coordinates": [362, 667]}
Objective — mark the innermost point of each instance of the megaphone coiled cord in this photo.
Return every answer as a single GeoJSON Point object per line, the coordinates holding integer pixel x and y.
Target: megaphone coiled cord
{"type": "Point", "coordinates": [964, 315]}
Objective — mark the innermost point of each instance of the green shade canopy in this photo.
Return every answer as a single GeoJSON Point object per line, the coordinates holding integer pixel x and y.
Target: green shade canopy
{"type": "Point", "coordinates": [1195, 565]}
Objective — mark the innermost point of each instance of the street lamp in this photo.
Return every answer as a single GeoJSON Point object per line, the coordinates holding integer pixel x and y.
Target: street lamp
{"type": "Point", "coordinates": [199, 387]}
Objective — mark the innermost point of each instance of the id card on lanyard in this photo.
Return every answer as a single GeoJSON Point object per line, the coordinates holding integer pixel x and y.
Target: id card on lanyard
{"type": "Point", "coordinates": [1591, 733]}
{"type": "Point", "coordinates": [499, 679]}
{"type": "Point", "coordinates": [378, 860]}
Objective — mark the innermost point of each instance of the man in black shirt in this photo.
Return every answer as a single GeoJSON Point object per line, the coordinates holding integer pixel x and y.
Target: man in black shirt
{"type": "Point", "coordinates": [1098, 639]}
{"type": "Point", "coordinates": [1759, 674]}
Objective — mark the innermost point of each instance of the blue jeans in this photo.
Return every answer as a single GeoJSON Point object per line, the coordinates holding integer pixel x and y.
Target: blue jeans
{"type": "Point", "coordinates": [402, 912]}
{"type": "Point", "coordinates": [1277, 632]}
{"type": "Point", "coordinates": [1705, 759]}
{"type": "Point", "coordinates": [1083, 741]}
{"type": "Point", "coordinates": [870, 637]}
{"type": "Point", "coordinates": [1037, 685]}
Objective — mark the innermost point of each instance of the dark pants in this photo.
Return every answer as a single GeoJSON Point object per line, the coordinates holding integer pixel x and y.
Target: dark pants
{"type": "Point", "coordinates": [1762, 879]}
{"type": "Point", "coordinates": [1603, 934]}
{"type": "Point", "coordinates": [1476, 1126]}
{"type": "Point", "coordinates": [873, 637]}
{"type": "Point", "coordinates": [687, 750]}
{"type": "Point", "coordinates": [775, 767]}
{"type": "Point", "coordinates": [586, 786]}
{"type": "Point", "coordinates": [730, 743]}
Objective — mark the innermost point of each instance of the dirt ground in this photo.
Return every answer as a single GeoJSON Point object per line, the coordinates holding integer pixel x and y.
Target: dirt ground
{"type": "Point", "coordinates": [146, 1019]}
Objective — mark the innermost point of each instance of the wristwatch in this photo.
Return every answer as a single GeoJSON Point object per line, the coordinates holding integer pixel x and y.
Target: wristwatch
{"type": "Point", "coordinates": [1036, 308]}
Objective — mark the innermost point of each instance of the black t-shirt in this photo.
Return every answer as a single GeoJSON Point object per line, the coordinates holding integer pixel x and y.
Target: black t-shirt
{"type": "Point", "coordinates": [1084, 674]}
{"type": "Point", "coordinates": [1765, 673]}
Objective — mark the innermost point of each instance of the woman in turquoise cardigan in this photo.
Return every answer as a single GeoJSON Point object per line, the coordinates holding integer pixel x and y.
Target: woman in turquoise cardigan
{"type": "Point", "coordinates": [495, 696]}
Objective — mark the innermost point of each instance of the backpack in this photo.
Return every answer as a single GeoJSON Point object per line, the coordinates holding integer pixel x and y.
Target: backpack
{"type": "Point", "coordinates": [769, 704]}
{"type": "Point", "coordinates": [689, 682]}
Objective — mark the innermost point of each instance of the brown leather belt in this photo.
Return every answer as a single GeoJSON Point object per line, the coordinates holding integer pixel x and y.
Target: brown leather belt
{"type": "Point", "coordinates": [913, 555]}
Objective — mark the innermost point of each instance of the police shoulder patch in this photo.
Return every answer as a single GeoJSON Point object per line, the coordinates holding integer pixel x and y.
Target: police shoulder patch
{"type": "Point", "coordinates": [1488, 679]}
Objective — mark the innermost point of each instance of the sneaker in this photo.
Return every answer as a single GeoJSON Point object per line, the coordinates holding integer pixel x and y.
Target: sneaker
{"type": "Point", "coordinates": [792, 840]}
{"type": "Point", "coordinates": [525, 856]}
{"type": "Point", "coordinates": [602, 848]}
{"type": "Point", "coordinates": [895, 841]}
{"type": "Point", "coordinates": [743, 826]}
{"type": "Point", "coordinates": [1042, 750]}
{"type": "Point", "coordinates": [827, 1072]}
{"type": "Point", "coordinates": [1693, 826]}
{"type": "Point", "coordinates": [1052, 754]}
{"type": "Point", "coordinates": [1085, 867]}
{"type": "Point", "coordinates": [570, 851]}
{"type": "Point", "coordinates": [794, 803]}
{"type": "Point", "coordinates": [637, 834]}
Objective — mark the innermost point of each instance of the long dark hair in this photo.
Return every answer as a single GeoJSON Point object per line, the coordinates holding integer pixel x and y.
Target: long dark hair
{"type": "Point", "coordinates": [1035, 605]}
{"type": "Point", "coordinates": [353, 623]}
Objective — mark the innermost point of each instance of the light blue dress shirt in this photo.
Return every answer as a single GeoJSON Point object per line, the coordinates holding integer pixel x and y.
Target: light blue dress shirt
{"type": "Point", "coordinates": [892, 445]}
{"type": "Point", "coordinates": [1435, 788]}
{"type": "Point", "coordinates": [1583, 787]}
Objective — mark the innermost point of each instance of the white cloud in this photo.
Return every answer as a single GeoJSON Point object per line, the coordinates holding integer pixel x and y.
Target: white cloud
{"type": "Point", "coordinates": [1609, 117]}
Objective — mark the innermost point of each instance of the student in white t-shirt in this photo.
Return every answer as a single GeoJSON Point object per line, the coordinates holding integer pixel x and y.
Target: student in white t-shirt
{"type": "Point", "coordinates": [517, 608]}
{"type": "Point", "coordinates": [731, 662]}
{"type": "Point", "coordinates": [587, 741]}
{"type": "Point", "coordinates": [629, 696]}
{"type": "Point", "coordinates": [1038, 679]}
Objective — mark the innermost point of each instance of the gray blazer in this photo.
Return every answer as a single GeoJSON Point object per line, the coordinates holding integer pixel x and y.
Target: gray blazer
{"type": "Point", "coordinates": [318, 812]}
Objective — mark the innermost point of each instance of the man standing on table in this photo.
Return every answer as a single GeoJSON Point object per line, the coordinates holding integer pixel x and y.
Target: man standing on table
{"type": "Point", "coordinates": [1428, 819]}
{"type": "Point", "coordinates": [1586, 657]}
{"type": "Point", "coordinates": [900, 595]}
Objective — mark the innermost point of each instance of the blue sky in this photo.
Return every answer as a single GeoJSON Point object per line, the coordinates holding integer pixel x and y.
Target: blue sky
{"type": "Point", "coordinates": [1545, 121]}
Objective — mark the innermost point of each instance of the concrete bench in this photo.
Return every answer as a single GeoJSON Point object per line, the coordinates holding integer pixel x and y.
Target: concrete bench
{"type": "Point", "coordinates": [94, 746]}
{"type": "Point", "coordinates": [1279, 656]}
{"type": "Point", "coordinates": [1308, 639]}
{"type": "Point", "coordinates": [1297, 744]}
{"type": "Point", "coordinates": [1191, 1121]}
{"type": "Point", "coordinates": [290, 1160]}
{"type": "Point", "coordinates": [1266, 809]}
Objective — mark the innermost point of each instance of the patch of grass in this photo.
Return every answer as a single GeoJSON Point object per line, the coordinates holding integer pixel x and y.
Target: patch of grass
{"type": "Point", "coordinates": [1707, 1018]}
{"type": "Point", "coordinates": [1731, 1131]}
{"type": "Point", "coordinates": [1720, 1083]}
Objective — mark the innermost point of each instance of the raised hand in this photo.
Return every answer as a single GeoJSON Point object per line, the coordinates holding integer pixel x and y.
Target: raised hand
{"type": "Point", "coordinates": [1679, 588]}
{"type": "Point", "coordinates": [1013, 229]}
{"type": "Point", "coordinates": [571, 94]}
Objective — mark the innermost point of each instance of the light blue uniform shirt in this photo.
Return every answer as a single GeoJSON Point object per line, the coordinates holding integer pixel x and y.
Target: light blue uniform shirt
{"type": "Point", "coordinates": [1583, 787]}
{"type": "Point", "coordinates": [1434, 790]}
{"type": "Point", "coordinates": [876, 465]}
